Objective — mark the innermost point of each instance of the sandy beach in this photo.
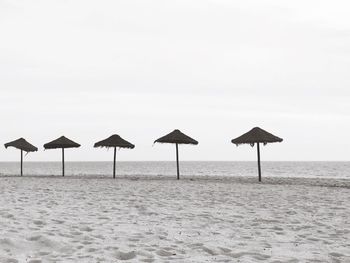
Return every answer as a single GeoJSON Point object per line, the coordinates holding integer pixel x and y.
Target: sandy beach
{"type": "Point", "coordinates": [53, 219]}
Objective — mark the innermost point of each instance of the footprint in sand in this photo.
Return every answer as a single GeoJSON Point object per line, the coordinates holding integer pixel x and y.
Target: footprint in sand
{"type": "Point", "coordinates": [125, 255]}
{"type": "Point", "coordinates": [225, 250]}
{"type": "Point", "coordinates": [44, 242]}
{"type": "Point", "coordinates": [58, 221]}
{"type": "Point", "coordinates": [86, 229]}
{"type": "Point", "coordinates": [39, 222]}
{"type": "Point", "coordinates": [210, 251]}
{"type": "Point", "coordinates": [133, 239]}
{"type": "Point", "coordinates": [165, 253]}
{"type": "Point", "coordinates": [7, 215]}
{"type": "Point", "coordinates": [6, 242]}
{"type": "Point", "coordinates": [8, 260]}
{"type": "Point", "coordinates": [91, 250]}
{"type": "Point", "coordinates": [256, 256]}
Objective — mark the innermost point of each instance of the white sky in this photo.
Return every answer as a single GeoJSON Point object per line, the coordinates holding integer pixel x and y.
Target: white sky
{"type": "Point", "coordinates": [213, 69]}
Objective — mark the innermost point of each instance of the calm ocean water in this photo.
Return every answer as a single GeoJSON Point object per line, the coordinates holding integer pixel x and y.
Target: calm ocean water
{"type": "Point", "coordinates": [104, 169]}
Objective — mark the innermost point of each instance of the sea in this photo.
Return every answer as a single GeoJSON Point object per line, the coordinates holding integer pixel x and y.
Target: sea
{"type": "Point", "coordinates": [338, 170]}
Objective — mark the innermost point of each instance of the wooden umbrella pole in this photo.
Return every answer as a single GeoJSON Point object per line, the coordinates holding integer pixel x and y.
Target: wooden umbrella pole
{"type": "Point", "coordinates": [21, 162]}
{"type": "Point", "coordinates": [63, 162]}
{"type": "Point", "coordinates": [114, 163]}
{"type": "Point", "coordinates": [177, 162]}
{"type": "Point", "coordinates": [259, 166]}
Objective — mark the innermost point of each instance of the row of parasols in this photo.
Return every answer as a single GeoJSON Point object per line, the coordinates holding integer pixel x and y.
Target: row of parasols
{"type": "Point", "coordinates": [254, 137]}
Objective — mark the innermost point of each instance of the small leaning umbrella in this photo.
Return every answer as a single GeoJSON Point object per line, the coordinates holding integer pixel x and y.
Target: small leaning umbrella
{"type": "Point", "coordinates": [61, 143]}
{"type": "Point", "coordinates": [115, 141]}
{"type": "Point", "coordinates": [177, 137]}
{"type": "Point", "coordinates": [257, 136]}
{"type": "Point", "coordinates": [22, 145]}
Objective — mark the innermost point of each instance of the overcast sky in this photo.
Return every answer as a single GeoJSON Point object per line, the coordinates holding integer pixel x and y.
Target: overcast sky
{"type": "Point", "coordinates": [213, 69]}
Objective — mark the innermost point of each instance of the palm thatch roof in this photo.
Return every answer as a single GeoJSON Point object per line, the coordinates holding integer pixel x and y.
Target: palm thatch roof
{"type": "Point", "coordinates": [22, 144]}
{"type": "Point", "coordinates": [61, 142]}
{"type": "Point", "coordinates": [176, 137]}
{"type": "Point", "coordinates": [256, 135]}
{"type": "Point", "coordinates": [114, 141]}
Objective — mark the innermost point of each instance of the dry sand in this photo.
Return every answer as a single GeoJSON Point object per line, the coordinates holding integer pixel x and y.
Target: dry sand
{"type": "Point", "coordinates": [163, 220]}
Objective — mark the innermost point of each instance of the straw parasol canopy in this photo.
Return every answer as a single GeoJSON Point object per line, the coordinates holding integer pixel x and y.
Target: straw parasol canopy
{"type": "Point", "coordinates": [257, 136]}
{"type": "Point", "coordinates": [22, 145]}
{"type": "Point", "coordinates": [61, 143]}
{"type": "Point", "coordinates": [114, 141]}
{"type": "Point", "coordinates": [177, 137]}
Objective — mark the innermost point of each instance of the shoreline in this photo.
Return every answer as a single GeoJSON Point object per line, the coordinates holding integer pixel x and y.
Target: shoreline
{"type": "Point", "coordinates": [304, 181]}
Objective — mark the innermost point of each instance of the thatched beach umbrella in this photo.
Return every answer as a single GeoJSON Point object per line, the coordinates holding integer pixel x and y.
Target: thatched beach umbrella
{"type": "Point", "coordinates": [257, 136]}
{"type": "Point", "coordinates": [22, 145]}
{"type": "Point", "coordinates": [177, 137]}
{"type": "Point", "coordinates": [115, 141]}
{"type": "Point", "coordinates": [61, 143]}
